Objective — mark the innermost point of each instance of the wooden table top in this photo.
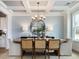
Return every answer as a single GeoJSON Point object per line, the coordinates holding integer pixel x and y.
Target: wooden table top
{"type": "Point", "coordinates": [18, 41]}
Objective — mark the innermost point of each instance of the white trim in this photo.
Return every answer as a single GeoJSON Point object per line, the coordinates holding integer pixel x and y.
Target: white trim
{"type": "Point", "coordinates": [27, 6]}
{"type": "Point", "coordinates": [50, 14]}
{"type": "Point", "coordinates": [49, 6]}
{"type": "Point", "coordinates": [3, 4]}
{"type": "Point", "coordinates": [75, 8]}
{"type": "Point", "coordinates": [16, 8]}
{"type": "Point", "coordinates": [4, 9]}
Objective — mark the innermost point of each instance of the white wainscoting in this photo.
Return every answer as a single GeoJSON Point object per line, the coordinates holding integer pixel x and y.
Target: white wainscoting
{"type": "Point", "coordinates": [75, 46]}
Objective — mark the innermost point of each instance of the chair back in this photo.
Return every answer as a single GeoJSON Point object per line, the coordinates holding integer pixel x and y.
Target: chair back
{"type": "Point", "coordinates": [40, 44]}
{"type": "Point", "coordinates": [54, 44]}
{"type": "Point", "coordinates": [27, 43]}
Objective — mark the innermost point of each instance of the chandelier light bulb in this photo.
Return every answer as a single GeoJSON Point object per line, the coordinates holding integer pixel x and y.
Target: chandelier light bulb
{"type": "Point", "coordinates": [36, 16]}
{"type": "Point", "coordinates": [33, 17]}
{"type": "Point", "coordinates": [40, 18]}
{"type": "Point", "coordinates": [44, 17]}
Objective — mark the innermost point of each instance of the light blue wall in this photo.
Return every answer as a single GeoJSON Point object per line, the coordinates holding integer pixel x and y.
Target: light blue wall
{"type": "Point", "coordinates": [57, 23]}
{"type": "Point", "coordinates": [16, 25]}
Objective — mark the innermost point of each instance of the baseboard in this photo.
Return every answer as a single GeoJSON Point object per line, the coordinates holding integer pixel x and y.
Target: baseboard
{"type": "Point", "coordinates": [65, 55]}
{"type": "Point", "coordinates": [14, 55]}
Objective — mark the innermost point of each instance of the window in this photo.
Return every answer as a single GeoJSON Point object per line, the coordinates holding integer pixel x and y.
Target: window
{"type": "Point", "coordinates": [76, 27]}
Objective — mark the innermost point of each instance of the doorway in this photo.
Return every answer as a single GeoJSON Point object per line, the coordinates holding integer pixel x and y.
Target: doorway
{"type": "Point", "coordinates": [3, 30]}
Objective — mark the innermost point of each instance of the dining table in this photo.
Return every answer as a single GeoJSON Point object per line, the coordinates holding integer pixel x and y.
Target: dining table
{"type": "Point", "coordinates": [18, 40]}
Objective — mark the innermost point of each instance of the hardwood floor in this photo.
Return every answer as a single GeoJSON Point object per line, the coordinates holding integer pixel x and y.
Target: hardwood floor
{"type": "Point", "coordinates": [4, 55]}
{"type": "Point", "coordinates": [2, 51]}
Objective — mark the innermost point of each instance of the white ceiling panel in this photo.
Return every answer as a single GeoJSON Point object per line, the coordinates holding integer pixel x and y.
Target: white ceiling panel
{"type": "Point", "coordinates": [65, 3]}
{"type": "Point", "coordinates": [72, 3]}
{"type": "Point", "coordinates": [16, 7]}
{"type": "Point", "coordinates": [13, 3]}
{"type": "Point", "coordinates": [41, 3]}
{"type": "Point", "coordinates": [19, 10]}
{"type": "Point", "coordinates": [56, 10]}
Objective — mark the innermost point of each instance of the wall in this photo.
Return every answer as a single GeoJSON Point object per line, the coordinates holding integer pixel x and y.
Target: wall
{"type": "Point", "coordinates": [17, 23]}
{"type": "Point", "coordinates": [56, 22]}
{"type": "Point", "coordinates": [60, 30]}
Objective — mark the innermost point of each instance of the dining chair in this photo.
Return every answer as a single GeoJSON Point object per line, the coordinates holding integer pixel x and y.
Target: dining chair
{"type": "Point", "coordinates": [27, 46]}
{"type": "Point", "coordinates": [54, 44]}
{"type": "Point", "coordinates": [40, 47]}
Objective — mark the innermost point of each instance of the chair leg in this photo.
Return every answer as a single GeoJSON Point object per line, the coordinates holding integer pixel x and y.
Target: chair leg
{"type": "Point", "coordinates": [32, 54]}
{"type": "Point", "coordinates": [22, 55]}
{"type": "Point", "coordinates": [59, 54]}
{"type": "Point", "coordinates": [48, 54]}
{"type": "Point", "coordinates": [45, 54]}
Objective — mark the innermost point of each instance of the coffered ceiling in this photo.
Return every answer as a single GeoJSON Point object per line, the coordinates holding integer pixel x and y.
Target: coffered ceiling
{"type": "Point", "coordinates": [45, 6]}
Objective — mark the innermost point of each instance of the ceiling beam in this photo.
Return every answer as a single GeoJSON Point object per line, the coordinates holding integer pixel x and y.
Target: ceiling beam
{"type": "Point", "coordinates": [60, 7]}
{"type": "Point", "coordinates": [49, 6]}
{"type": "Point", "coordinates": [75, 8]}
{"type": "Point", "coordinates": [3, 7]}
{"type": "Point", "coordinates": [3, 4]}
{"type": "Point", "coordinates": [50, 14]}
{"type": "Point", "coordinates": [27, 6]}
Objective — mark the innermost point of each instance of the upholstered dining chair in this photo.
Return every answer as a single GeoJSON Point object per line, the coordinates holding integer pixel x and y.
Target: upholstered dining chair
{"type": "Point", "coordinates": [40, 47]}
{"type": "Point", "coordinates": [27, 46]}
{"type": "Point", "coordinates": [54, 44]}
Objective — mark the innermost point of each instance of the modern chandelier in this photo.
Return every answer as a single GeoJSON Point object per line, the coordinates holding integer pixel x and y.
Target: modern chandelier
{"type": "Point", "coordinates": [38, 16]}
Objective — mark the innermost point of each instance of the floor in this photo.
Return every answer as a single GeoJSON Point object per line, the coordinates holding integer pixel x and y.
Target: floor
{"type": "Point", "coordinates": [4, 55]}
